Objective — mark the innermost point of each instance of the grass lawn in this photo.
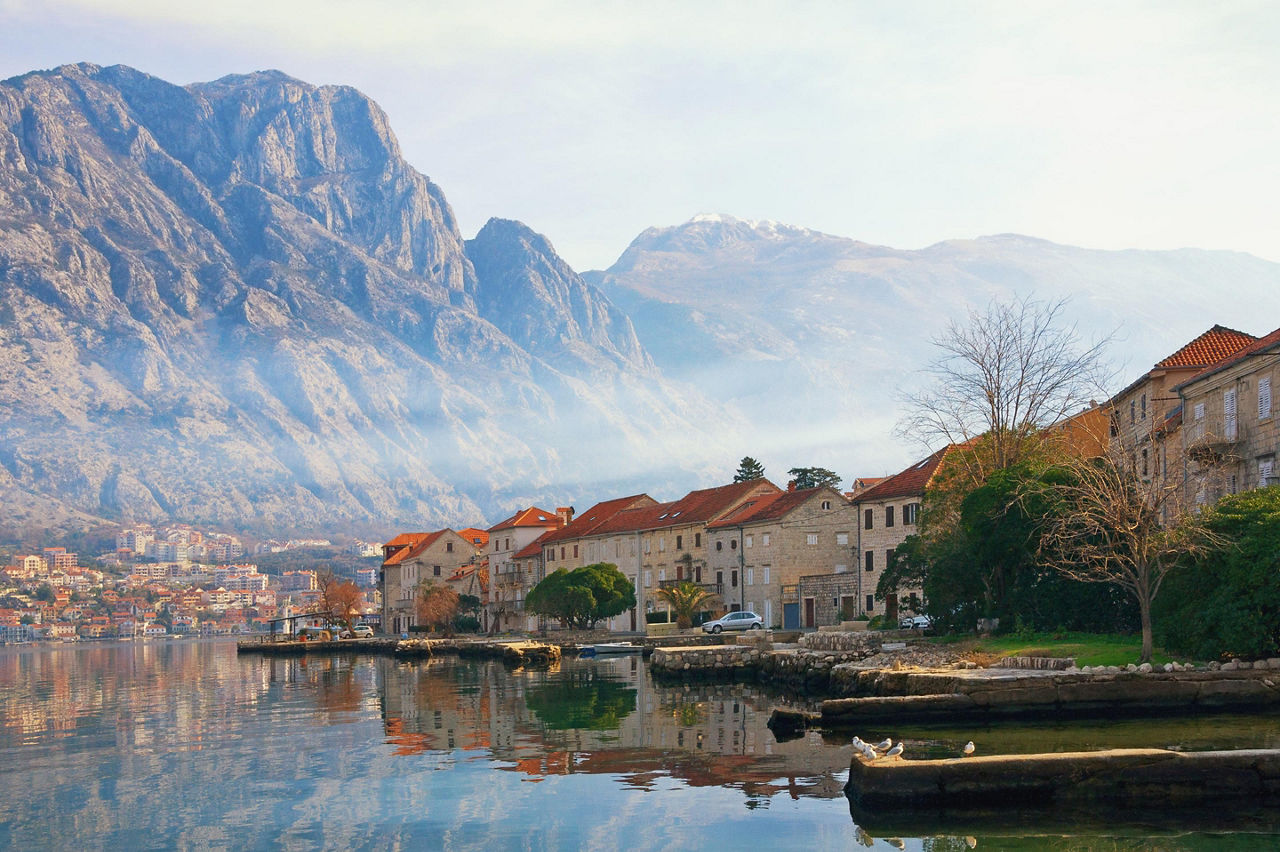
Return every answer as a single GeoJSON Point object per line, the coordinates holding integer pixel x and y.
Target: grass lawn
{"type": "Point", "coordinates": [1089, 649]}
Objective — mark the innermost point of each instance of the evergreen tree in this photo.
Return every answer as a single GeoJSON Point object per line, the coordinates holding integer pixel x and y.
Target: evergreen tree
{"type": "Point", "coordinates": [815, 477]}
{"type": "Point", "coordinates": [748, 469]}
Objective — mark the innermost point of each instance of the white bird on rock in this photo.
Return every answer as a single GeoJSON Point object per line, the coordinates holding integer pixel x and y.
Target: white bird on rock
{"type": "Point", "coordinates": [895, 751]}
{"type": "Point", "coordinates": [884, 746]}
{"type": "Point", "coordinates": [857, 741]}
{"type": "Point", "coordinates": [968, 748]}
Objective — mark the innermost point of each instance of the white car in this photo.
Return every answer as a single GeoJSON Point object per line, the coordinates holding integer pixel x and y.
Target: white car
{"type": "Point", "coordinates": [915, 622]}
{"type": "Point", "coordinates": [741, 620]}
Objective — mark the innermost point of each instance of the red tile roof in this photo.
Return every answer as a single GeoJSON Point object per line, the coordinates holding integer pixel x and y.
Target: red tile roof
{"type": "Point", "coordinates": [696, 507]}
{"type": "Point", "coordinates": [475, 535]}
{"type": "Point", "coordinates": [589, 521]}
{"type": "Point", "coordinates": [418, 542]}
{"type": "Point", "coordinates": [1261, 344]}
{"type": "Point", "coordinates": [1208, 349]}
{"type": "Point", "coordinates": [530, 517]}
{"type": "Point", "coordinates": [910, 483]}
{"type": "Point", "coordinates": [770, 507]}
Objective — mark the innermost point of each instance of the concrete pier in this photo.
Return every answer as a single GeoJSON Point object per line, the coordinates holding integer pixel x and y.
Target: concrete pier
{"type": "Point", "coordinates": [1116, 777]}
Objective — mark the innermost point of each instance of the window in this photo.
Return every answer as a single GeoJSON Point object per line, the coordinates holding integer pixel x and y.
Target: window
{"type": "Point", "coordinates": [1199, 411]}
{"type": "Point", "coordinates": [826, 505]}
{"type": "Point", "coordinates": [1264, 471]}
{"type": "Point", "coordinates": [575, 551]}
{"type": "Point", "coordinates": [811, 538]}
{"type": "Point", "coordinates": [448, 547]}
{"type": "Point", "coordinates": [646, 545]}
{"type": "Point", "coordinates": [1264, 397]}
{"type": "Point", "coordinates": [562, 553]}
{"type": "Point", "coordinates": [866, 520]}
{"type": "Point", "coordinates": [842, 538]}
{"type": "Point", "coordinates": [435, 570]}
{"type": "Point", "coordinates": [662, 545]}
{"type": "Point", "coordinates": [910, 512]}
{"type": "Point", "coordinates": [697, 539]}
{"type": "Point", "coordinates": [888, 516]}
{"type": "Point", "coordinates": [733, 544]}
{"type": "Point", "coordinates": [679, 542]}
{"type": "Point", "coordinates": [1133, 407]}
{"type": "Point", "coordinates": [719, 545]}
{"type": "Point", "coordinates": [870, 559]}
{"type": "Point", "coordinates": [751, 578]}
{"type": "Point", "coordinates": [506, 544]}
{"type": "Point", "coordinates": [888, 559]}
{"type": "Point", "coordinates": [648, 578]}
{"type": "Point", "coordinates": [765, 578]}
{"type": "Point", "coordinates": [1144, 462]}
{"type": "Point", "coordinates": [764, 539]}
{"type": "Point", "coordinates": [719, 578]}
{"type": "Point", "coordinates": [871, 603]}
{"type": "Point", "coordinates": [733, 579]}
{"type": "Point", "coordinates": [662, 574]}
{"type": "Point", "coordinates": [1229, 414]}
{"type": "Point", "coordinates": [1142, 407]}
{"type": "Point", "coordinates": [749, 540]}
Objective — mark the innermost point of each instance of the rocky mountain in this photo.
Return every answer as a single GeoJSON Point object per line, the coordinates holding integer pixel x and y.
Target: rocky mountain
{"type": "Point", "coordinates": [234, 303]}
{"type": "Point", "coordinates": [817, 337]}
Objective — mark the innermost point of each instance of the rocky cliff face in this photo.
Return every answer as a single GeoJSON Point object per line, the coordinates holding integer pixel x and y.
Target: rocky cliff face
{"type": "Point", "coordinates": [235, 303]}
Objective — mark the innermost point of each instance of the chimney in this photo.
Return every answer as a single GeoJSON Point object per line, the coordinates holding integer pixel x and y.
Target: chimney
{"type": "Point", "coordinates": [566, 515]}
{"type": "Point", "coordinates": [791, 486]}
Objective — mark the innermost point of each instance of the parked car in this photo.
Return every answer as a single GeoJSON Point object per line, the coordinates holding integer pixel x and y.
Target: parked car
{"type": "Point", "coordinates": [915, 622]}
{"type": "Point", "coordinates": [741, 620]}
{"type": "Point", "coordinates": [360, 631]}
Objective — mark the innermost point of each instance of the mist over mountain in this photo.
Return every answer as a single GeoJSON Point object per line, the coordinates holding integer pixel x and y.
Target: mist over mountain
{"type": "Point", "coordinates": [235, 303]}
{"type": "Point", "coordinates": [820, 336]}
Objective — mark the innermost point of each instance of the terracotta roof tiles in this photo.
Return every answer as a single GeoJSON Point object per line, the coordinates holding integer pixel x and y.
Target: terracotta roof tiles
{"type": "Point", "coordinates": [1208, 349]}
{"type": "Point", "coordinates": [530, 517]}
{"type": "Point", "coordinates": [769, 507]}
{"type": "Point", "coordinates": [1261, 344]}
{"type": "Point", "coordinates": [909, 483]}
{"type": "Point", "coordinates": [589, 521]}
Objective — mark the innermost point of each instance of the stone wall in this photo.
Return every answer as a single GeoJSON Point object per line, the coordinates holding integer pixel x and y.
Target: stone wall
{"type": "Point", "coordinates": [867, 643]}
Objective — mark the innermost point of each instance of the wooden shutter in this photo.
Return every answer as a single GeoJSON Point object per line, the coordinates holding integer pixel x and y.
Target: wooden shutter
{"type": "Point", "coordinates": [1229, 414]}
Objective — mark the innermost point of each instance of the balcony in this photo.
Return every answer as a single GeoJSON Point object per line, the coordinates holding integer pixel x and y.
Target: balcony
{"type": "Point", "coordinates": [713, 588]}
{"type": "Point", "coordinates": [1212, 440]}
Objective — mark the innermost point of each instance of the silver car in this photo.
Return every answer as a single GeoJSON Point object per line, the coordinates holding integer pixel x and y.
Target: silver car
{"type": "Point", "coordinates": [741, 620]}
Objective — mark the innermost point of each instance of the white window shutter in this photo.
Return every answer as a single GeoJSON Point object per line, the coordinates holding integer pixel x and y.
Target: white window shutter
{"type": "Point", "coordinates": [1264, 472]}
{"type": "Point", "coordinates": [1199, 411]}
{"type": "Point", "coordinates": [1229, 414]}
{"type": "Point", "coordinates": [1264, 397]}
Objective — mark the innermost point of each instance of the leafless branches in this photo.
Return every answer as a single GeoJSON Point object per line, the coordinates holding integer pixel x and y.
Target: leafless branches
{"type": "Point", "coordinates": [1005, 375]}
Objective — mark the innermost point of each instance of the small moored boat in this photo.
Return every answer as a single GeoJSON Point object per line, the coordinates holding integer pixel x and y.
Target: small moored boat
{"type": "Point", "coordinates": [601, 648]}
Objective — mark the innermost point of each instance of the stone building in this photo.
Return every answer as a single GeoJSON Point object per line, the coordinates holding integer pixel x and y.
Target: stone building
{"type": "Point", "coordinates": [887, 514]}
{"type": "Point", "coordinates": [411, 558]}
{"type": "Point", "coordinates": [509, 585]}
{"type": "Point", "coordinates": [764, 547]}
{"type": "Point", "coordinates": [1146, 417]}
{"type": "Point", "coordinates": [1229, 431]}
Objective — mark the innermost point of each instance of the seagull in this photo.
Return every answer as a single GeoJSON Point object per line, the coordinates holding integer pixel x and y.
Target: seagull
{"type": "Point", "coordinates": [857, 741]}
{"type": "Point", "coordinates": [884, 746]}
{"type": "Point", "coordinates": [968, 748]}
{"type": "Point", "coordinates": [895, 751]}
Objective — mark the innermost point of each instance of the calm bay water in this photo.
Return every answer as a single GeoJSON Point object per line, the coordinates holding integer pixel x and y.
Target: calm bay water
{"type": "Point", "coordinates": [187, 745]}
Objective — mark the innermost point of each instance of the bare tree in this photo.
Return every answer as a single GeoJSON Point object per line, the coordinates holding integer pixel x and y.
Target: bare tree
{"type": "Point", "coordinates": [435, 605]}
{"type": "Point", "coordinates": [340, 600]}
{"type": "Point", "coordinates": [1110, 524]}
{"type": "Point", "coordinates": [1003, 377]}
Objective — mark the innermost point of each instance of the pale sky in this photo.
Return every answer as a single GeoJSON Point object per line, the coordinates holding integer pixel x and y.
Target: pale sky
{"type": "Point", "coordinates": [1101, 124]}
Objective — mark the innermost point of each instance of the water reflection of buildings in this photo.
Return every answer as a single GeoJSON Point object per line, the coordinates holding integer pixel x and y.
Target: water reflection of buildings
{"type": "Point", "coordinates": [605, 717]}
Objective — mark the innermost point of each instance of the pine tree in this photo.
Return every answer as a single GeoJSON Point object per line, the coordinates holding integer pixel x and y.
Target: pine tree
{"type": "Point", "coordinates": [748, 469]}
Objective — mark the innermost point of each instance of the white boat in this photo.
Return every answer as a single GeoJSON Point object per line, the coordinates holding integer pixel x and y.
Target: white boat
{"type": "Point", "coordinates": [612, 648]}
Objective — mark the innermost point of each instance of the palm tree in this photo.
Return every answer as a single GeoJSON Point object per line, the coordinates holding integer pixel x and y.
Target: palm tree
{"type": "Point", "coordinates": [686, 598]}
